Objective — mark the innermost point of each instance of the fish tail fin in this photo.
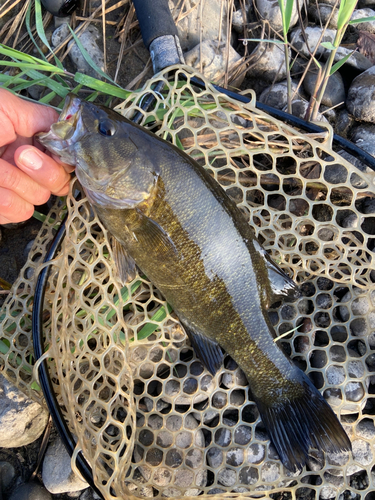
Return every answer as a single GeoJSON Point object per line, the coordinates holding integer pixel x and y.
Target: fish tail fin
{"type": "Point", "coordinates": [305, 422]}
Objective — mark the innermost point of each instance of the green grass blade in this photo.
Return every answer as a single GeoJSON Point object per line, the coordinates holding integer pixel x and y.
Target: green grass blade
{"type": "Point", "coordinates": [288, 15]}
{"type": "Point", "coordinates": [105, 88]}
{"type": "Point", "coordinates": [21, 56]}
{"type": "Point", "coordinates": [362, 20]}
{"type": "Point", "coordinates": [92, 97]}
{"type": "Point", "coordinates": [149, 328]}
{"type": "Point", "coordinates": [48, 98]}
{"type": "Point", "coordinates": [328, 45]}
{"type": "Point", "coordinates": [27, 84]}
{"type": "Point", "coordinates": [41, 32]}
{"type": "Point", "coordinates": [89, 60]}
{"type": "Point", "coordinates": [27, 66]}
{"type": "Point", "coordinates": [345, 13]}
{"type": "Point", "coordinates": [60, 90]}
{"type": "Point", "coordinates": [338, 65]}
{"type": "Point", "coordinates": [28, 27]}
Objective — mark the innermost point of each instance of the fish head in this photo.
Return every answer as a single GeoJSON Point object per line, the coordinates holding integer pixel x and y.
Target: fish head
{"type": "Point", "coordinates": [107, 150]}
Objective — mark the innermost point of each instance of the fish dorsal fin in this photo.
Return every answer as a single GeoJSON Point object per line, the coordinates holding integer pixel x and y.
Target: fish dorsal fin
{"type": "Point", "coordinates": [125, 265]}
{"type": "Point", "coordinates": [208, 351]}
{"type": "Point", "coordinates": [281, 285]}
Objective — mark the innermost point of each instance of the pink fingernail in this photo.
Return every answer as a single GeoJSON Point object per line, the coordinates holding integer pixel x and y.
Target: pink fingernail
{"type": "Point", "coordinates": [30, 159]}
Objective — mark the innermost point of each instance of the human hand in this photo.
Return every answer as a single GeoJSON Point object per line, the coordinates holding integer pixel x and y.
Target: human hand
{"type": "Point", "coordinates": [28, 176]}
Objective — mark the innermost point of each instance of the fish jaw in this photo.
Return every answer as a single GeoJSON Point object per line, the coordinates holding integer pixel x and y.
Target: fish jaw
{"type": "Point", "coordinates": [66, 132]}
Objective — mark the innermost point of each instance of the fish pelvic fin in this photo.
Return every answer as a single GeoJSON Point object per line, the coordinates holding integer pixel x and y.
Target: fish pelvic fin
{"type": "Point", "coordinates": [298, 425]}
{"type": "Point", "coordinates": [125, 265]}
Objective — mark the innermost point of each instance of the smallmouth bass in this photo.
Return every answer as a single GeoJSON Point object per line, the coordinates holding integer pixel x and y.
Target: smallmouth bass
{"type": "Point", "coordinates": [170, 218]}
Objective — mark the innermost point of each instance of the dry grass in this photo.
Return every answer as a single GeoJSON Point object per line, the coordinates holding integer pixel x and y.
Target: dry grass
{"type": "Point", "coordinates": [115, 19]}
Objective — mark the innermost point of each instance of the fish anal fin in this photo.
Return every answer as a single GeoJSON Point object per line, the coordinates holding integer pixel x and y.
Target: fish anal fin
{"type": "Point", "coordinates": [125, 265]}
{"type": "Point", "coordinates": [297, 425]}
{"type": "Point", "coordinates": [208, 351]}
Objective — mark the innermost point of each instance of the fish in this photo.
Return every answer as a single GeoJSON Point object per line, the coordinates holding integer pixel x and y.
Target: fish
{"type": "Point", "coordinates": [171, 219]}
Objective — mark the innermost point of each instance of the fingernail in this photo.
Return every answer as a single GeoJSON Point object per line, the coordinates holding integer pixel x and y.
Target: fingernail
{"type": "Point", "coordinates": [30, 159]}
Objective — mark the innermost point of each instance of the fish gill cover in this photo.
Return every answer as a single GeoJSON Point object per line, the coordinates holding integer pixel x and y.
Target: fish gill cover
{"type": "Point", "coordinates": [149, 418]}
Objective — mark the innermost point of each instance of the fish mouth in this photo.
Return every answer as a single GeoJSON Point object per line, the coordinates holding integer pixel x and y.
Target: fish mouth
{"type": "Point", "coordinates": [67, 130]}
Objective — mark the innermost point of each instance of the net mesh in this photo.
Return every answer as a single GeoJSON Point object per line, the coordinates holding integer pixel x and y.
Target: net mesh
{"type": "Point", "coordinates": [149, 418]}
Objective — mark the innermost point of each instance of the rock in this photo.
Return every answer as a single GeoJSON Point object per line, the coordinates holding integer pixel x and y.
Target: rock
{"type": "Point", "coordinates": [234, 379]}
{"type": "Point", "coordinates": [364, 13]}
{"type": "Point", "coordinates": [335, 375]}
{"type": "Point", "coordinates": [299, 108]}
{"type": "Point", "coordinates": [194, 458]}
{"type": "Point", "coordinates": [60, 34]}
{"type": "Point", "coordinates": [360, 102]}
{"type": "Point", "coordinates": [235, 457]}
{"type": "Point", "coordinates": [215, 457]}
{"type": "Point", "coordinates": [335, 482]}
{"type": "Point", "coordinates": [162, 476]}
{"type": "Point", "coordinates": [365, 429]}
{"type": "Point", "coordinates": [344, 123]}
{"type": "Point", "coordinates": [362, 454]}
{"type": "Point", "coordinates": [57, 474]}
{"type": "Point", "coordinates": [239, 19]}
{"type": "Point", "coordinates": [89, 494]}
{"type": "Point", "coordinates": [324, 10]}
{"type": "Point", "coordinates": [210, 58]}
{"type": "Point", "coordinates": [313, 34]}
{"type": "Point", "coordinates": [334, 93]}
{"type": "Point", "coordinates": [227, 477]}
{"type": "Point", "coordinates": [207, 20]}
{"type": "Point", "coordinates": [255, 453]}
{"type": "Point", "coordinates": [184, 478]}
{"type": "Point", "coordinates": [7, 474]}
{"type": "Point", "coordinates": [338, 459]}
{"type": "Point", "coordinates": [276, 96]}
{"type": "Point", "coordinates": [322, 14]}
{"type": "Point", "coordinates": [30, 491]}
{"type": "Point", "coordinates": [270, 472]}
{"type": "Point", "coordinates": [208, 416]}
{"type": "Point", "coordinates": [88, 40]}
{"type": "Point", "coordinates": [354, 391]}
{"type": "Point", "coordinates": [270, 10]}
{"type": "Point", "coordinates": [356, 369]}
{"type": "Point", "coordinates": [22, 420]}
{"type": "Point", "coordinates": [269, 63]}
{"type": "Point", "coordinates": [364, 137]}
{"type": "Point", "coordinates": [220, 398]}
{"type": "Point", "coordinates": [223, 437]}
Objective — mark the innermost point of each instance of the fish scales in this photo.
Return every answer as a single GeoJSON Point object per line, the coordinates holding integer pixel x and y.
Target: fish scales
{"type": "Point", "coordinates": [172, 219]}
{"type": "Point", "coordinates": [218, 290]}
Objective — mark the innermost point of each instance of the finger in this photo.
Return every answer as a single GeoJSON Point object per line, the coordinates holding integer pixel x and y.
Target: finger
{"type": "Point", "coordinates": [13, 208]}
{"type": "Point", "coordinates": [41, 168]}
{"type": "Point", "coordinates": [13, 179]}
{"type": "Point", "coordinates": [68, 168]}
{"type": "Point", "coordinates": [21, 117]}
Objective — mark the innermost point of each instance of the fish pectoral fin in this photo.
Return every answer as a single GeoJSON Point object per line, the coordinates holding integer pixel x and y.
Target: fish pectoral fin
{"type": "Point", "coordinates": [125, 265]}
{"type": "Point", "coordinates": [281, 284]}
{"type": "Point", "coordinates": [208, 351]}
{"type": "Point", "coordinates": [153, 236]}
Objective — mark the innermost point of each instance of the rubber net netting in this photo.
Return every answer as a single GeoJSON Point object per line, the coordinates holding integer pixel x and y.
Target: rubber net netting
{"type": "Point", "coordinates": [149, 418]}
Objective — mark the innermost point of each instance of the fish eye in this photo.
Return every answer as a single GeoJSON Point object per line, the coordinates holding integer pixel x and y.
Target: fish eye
{"type": "Point", "coordinates": [107, 127]}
